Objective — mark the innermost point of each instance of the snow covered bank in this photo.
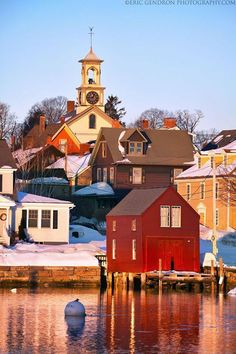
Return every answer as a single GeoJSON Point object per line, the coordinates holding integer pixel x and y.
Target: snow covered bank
{"type": "Point", "coordinates": [227, 252]}
{"type": "Point", "coordinates": [51, 255]}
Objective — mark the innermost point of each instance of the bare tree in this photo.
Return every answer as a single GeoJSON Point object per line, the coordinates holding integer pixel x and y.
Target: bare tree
{"type": "Point", "coordinates": [8, 122]}
{"type": "Point", "coordinates": [52, 108]}
{"type": "Point", "coordinates": [202, 137]}
{"type": "Point", "coordinates": [188, 121]}
{"type": "Point", "coordinates": [155, 117]}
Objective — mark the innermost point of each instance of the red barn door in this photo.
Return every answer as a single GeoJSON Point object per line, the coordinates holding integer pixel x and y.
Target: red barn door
{"type": "Point", "coordinates": [175, 254]}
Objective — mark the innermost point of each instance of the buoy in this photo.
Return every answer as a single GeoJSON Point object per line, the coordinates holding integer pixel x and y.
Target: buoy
{"type": "Point", "coordinates": [14, 290]}
{"type": "Point", "coordinates": [75, 308]}
{"type": "Point", "coordinates": [232, 292]}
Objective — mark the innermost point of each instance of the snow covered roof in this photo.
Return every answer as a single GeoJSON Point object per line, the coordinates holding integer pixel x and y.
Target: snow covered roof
{"type": "Point", "coordinates": [38, 199]}
{"type": "Point", "coordinates": [75, 164]}
{"type": "Point", "coordinates": [48, 180]}
{"type": "Point", "coordinates": [24, 156]}
{"type": "Point", "coordinates": [100, 188]}
{"type": "Point", "coordinates": [6, 201]}
{"type": "Point", "coordinates": [207, 171]}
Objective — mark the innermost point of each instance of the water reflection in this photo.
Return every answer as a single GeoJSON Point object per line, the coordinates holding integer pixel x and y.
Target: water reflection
{"type": "Point", "coordinates": [123, 322]}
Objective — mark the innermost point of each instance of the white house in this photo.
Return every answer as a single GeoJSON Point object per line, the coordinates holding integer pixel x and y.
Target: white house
{"type": "Point", "coordinates": [45, 220]}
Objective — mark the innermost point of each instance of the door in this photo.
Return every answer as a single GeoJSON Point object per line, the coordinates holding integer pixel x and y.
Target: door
{"type": "Point", "coordinates": [175, 254]}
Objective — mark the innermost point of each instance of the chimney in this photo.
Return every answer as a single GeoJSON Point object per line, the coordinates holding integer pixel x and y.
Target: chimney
{"type": "Point", "coordinates": [42, 121]}
{"type": "Point", "coordinates": [70, 106]}
{"type": "Point", "coordinates": [145, 123]}
{"type": "Point", "coordinates": [62, 119]}
{"type": "Point", "coordinates": [169, 123]}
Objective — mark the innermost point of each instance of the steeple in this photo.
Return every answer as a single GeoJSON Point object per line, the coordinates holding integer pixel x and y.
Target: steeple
{"type": "Point", "coordinates": [90, 91]}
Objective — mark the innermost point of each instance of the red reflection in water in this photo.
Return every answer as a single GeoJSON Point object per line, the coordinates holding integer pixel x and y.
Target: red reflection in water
{"type": "Point", "coordinates": [145, 321]}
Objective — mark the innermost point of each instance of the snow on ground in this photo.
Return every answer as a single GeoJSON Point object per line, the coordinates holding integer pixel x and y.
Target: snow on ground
{"type": "Point", "coordinates": [100, 188]}
{"type": "Point", "coordinates": [24, 254]}
{"type": "Point", "coordinates": [82, 234]}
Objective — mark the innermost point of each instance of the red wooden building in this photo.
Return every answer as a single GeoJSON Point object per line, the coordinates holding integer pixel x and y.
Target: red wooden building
{"type": "Point", "coordinates": [152, 224]}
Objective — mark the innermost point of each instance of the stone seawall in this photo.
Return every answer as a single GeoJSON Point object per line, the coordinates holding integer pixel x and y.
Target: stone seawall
{"type": "Point", "coordinates": [49, 276]}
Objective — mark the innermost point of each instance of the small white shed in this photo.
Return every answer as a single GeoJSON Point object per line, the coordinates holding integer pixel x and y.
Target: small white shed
{"type": "Point", "coordinates": [44, 219]}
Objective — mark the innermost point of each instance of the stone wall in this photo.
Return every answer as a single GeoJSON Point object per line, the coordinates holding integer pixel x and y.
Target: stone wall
{"type": "Point", "coordinates": [49, 276]}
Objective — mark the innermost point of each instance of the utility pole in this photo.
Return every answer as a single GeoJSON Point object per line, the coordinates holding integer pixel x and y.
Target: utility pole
{"type": "Point", "coordinates": [213, 237]}
{"type": "Point", "coordinates": [66, 158]}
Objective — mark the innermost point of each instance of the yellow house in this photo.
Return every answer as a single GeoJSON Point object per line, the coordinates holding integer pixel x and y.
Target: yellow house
{"type": "Point", "coordinates": [90, 114]}
{"type": "Point", "coordinates": [196, 186]}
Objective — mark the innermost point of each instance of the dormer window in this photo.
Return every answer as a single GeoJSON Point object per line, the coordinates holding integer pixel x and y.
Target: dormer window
{"type": "Point", "coordinates": [135, 148]}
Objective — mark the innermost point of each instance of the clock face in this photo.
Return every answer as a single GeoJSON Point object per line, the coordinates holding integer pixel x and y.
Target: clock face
{"type": "Point", "coordinates": [92, 97]}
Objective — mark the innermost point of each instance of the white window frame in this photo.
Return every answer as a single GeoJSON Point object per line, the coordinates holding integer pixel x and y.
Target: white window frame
{"type": "Point", "coordinates": [164, 217]}
{"type": "Point", "coordinates": [176, 207]}
{"type": "Point", "coordinates": [134, 249]}
{"type": "Point", "coordinates": [62, 145]}
{"type": "Point", "coordinates": [28, 218]}
{"type": "Point", "coordinates": [104, 149]}
{"type": "Point", "coordinates": [50, 219]}
{"type": "Point", "coordinates": [137, 179]}
{"type": "Point", "coordinates": [134, 225]}
{"type": "Point", "coordinates": [99, 174]}
{"type": "Point", "coordinates": [114, 248]}
{"type": "Point", "coordinates": [188, 191]}
{"type": "Point", "coordinates": [104, 174]}
{"type": "Point", "coordinates": [112, 174]}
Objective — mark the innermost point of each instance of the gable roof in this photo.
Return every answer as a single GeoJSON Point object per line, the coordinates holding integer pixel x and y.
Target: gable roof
{"type": "Point", "coordinates": [93, 109]}
{"type": "Point", "coordinates": [40, 139]}
{"type": "Point", "coordinates": [137, 201]}
{"type": "Point", "coordinates": [33, 198]}
{"type": "Point", "coordinates": [165, 147]}
{"type": "Point", "coordinates": [6, 158]}
{"type": "Point", "coordinates": [225, 137]}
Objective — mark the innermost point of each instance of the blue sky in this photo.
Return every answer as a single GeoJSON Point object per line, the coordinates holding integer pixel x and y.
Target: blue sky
{"type": "Point", "coordinates": [170, 57]}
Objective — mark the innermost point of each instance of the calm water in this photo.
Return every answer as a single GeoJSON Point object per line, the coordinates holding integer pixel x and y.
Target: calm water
{"type": "Point", "coordinates": [126, 322]}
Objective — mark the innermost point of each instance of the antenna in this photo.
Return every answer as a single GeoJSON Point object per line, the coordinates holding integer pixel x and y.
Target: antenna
{"type": "Point", "coordinates": [91, 33]}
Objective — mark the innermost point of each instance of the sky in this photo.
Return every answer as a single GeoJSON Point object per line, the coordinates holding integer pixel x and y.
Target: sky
{"type": "Point", "coordinates": [157, 54]}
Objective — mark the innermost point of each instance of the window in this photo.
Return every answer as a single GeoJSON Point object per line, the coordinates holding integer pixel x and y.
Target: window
{"type": "Point", "coordinates": [111, 174]}
{"type": "Point", "coordinates": [62, 145]}
{"type": "Point", "coordinates": [176, 216]}
{"type": "Point", "coordinates": [165, 216]}
{"type": "Point", "coordinates": [0, 183]}
{"type": "Point", "coordinates": [217, 217]}
{"type": "Point", "coordinates": [217, 190]}
{"type": "Point", "coordinates": [113, 225]}
{"type": "Point", "coordinates": [212, 161]}
{"type": "Point", "coordinates": [55, 219]}
{"type": "Point", "coordinates": [135, 148]}
{"type": "Point", "coordinates": [113, 249]}
{"type": "Point", "coordinates": [137, 175]}
{"type": "Point", "coordinates": [133, 249]}
{"type": "Point", "coordinates": [104, 174]}
{"type": "Point", "coordinates": [104, 150]}
{"type": "Point", "coordinates": [188, 192]}
{"type": "Point", "coordinates": [46, 218]}
{"type": "Point", "coordinates": [92, 121]}
{"type": "Point", "coordinates": [199, 162]}
{"type": "Point", "coordinates": [202, 190]}
{"type": "Point", "coordinates": [99, 175]}
{"type": "Point", "coordinates": [33, 218]}
{"type": "Point", "coordinates": [133, 225]}
{"type": "Point", "coordinates": [225, 160]}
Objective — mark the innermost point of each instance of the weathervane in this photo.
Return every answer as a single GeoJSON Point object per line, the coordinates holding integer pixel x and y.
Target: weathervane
{"type": "Point", "coordinates": [91, 33]}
